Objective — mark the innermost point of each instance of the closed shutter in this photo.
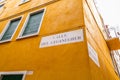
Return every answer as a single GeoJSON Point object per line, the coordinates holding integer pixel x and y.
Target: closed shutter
{"type": "Point", "coordinates": [12, 77]}
{"type": "Point", "coordinates": [33, 23]}
{"type": "Point", "coordinates": [10, 30]}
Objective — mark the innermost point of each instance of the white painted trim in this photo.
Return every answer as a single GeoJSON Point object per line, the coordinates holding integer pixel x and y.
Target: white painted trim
{"type": "Point", "coordinates": [5, 29]}
{"type": "Point", "coordinates": [21, 2]}
{"type": "Point", "coordinates": [14, 73]}
{"type": "Point", "coordinates": [25, 24]}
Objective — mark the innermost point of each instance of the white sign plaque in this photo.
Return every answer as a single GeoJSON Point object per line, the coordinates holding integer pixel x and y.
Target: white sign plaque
{"type": "Point", "coordinates": [62, 38]}
{"type": "Point", "coordinates": [93, 55]}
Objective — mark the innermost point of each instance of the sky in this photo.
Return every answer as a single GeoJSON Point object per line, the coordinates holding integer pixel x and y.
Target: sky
{"type": "Point", "coordinates": [110, 11]}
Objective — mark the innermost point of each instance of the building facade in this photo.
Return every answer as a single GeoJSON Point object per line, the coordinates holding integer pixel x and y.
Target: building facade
{"type": "Point", "coordinates": [53, 40]}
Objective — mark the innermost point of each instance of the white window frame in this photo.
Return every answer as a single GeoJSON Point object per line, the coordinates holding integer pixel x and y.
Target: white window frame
{"type": "Point", "coordinates": [14, 73]}
{"type": "Point", "coordinates": [5, 29]}
{"type": "Point", "coordinates": [25, 24]}
{"type": "Point", "coordinates": [21, 2]}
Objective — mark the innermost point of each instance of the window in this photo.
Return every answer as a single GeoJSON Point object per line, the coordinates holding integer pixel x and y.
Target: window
{"type": "Point", "coordinates": [32, 24]}
{"type": "Point", "coordinates": [10, 29]}
{"type": "Point", "coordinates": [12, 75]}
{"type": "Point", "coordinates": [1, 5]}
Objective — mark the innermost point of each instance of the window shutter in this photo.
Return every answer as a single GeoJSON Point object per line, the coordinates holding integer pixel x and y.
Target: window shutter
{"type": "Point", "coordinates": [12, 77]}
{"type": "Point", "coordinates": [33, 23]}
{"type": "Point", "coordinates": [10, 30]}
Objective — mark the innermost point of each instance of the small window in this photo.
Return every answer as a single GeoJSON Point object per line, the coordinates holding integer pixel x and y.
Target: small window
{"type": "Point", "coordinates": [12, 75]}
{"type": "Point", "coordinates": [1, 5]}
{"type": "Point", "coordinates": [32, 24]}
{"type": "Point", "coordinates": [10, 29]}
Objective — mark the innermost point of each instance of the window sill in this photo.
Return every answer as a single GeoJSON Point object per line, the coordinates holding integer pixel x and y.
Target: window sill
{"type": "Point", "coordinates": [24, 2]}
{"type": "Point", "coordinates": [27, 36]}
{"type": "Point", "coordinates": [5, 41]}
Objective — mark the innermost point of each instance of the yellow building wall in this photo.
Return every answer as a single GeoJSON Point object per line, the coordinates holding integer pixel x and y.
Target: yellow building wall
{"type": "Point", "coordinates": [112, 43]}
{"type": "Point", "coordinates": [96, 39]}
{"type": "Point", "coordinates": [63, 62]}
